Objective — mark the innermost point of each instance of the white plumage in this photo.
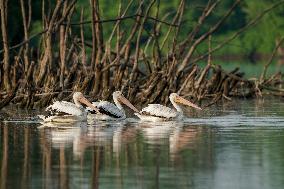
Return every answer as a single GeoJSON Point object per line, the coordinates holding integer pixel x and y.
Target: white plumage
{"type": "Point", "coordinates": [108, 108]}
{"type": "Point", "coordinates": [110, 111]}
{"type": "Point", "coordinates": [65, 112]}
{"type": "Point", "coordinates": [66, 107]}
{"type": "Point", "coordinates": [159, 111]}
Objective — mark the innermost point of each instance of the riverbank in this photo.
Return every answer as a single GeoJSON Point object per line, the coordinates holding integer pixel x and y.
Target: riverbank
{"type": "Point", "coordinates": [146, 62]}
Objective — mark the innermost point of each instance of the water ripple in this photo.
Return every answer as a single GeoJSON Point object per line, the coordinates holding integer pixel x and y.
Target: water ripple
{"type": "Point", "coordinates": [237, 120]}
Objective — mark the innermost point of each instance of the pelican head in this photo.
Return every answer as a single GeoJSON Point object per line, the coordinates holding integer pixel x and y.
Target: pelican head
{"type": "Point", "coordinates": [79, 98]}
{"type": "Point", "coordinates": [174, 97]}
{"type": "Point", "coordinates": [117, 95]}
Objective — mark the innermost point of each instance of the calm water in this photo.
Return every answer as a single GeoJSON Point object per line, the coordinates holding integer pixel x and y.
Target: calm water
{"type": "Point", "coordinates": [237, 145]}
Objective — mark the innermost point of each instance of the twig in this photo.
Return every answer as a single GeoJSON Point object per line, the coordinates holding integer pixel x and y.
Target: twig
{"type": "Point", "coordinates": [262, 77]}
{"type": "Point", "coordinates": [240, 31]}
{"type": "Point", "coordinates": [204, 36]}
{"type": "Point", "coordinates": [124, 18]}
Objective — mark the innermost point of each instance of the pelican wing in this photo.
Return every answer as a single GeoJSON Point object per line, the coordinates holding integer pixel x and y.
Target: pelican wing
{"type": "Point", "coordinates": [107, 108]}
{"type": "Point", "coordinates": [159, 110]}
{"type": "Point", "coordinates": [63, 108]}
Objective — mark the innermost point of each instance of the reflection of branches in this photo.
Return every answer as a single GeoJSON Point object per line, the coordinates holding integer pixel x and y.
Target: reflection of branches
{"type": "Point", "coordinates": [46, 158]}
{"type": "Point", "coordinates": [26, 162]}
{"type": "Point", "coordinates": [181, 138]}
{"type": "Point", "coordinates": [95, 167]}
{"type": "Point", "coordinates": [4, 163]}
{"type": "Point", "coordinates": [62, 166]}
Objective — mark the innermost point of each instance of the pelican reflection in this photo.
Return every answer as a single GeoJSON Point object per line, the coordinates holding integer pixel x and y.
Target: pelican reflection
{"type": "Point", "coordinates": [176, 134]}
{"type": "Point", "coordinates": [66, 136]}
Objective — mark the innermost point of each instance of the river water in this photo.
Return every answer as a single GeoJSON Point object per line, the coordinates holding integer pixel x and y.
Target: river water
{"type": "Point", "coordinates": [238, 144]}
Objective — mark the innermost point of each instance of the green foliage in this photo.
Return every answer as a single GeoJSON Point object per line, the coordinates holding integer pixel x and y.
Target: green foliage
{"type": "Point", "coordinates": [261, 38]}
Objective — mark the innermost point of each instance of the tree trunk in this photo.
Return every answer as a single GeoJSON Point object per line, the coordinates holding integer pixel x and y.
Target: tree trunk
{"type": "Point", "coordinates": [6, 61]}
{"type": "Point", "coordinates": [62, 43]}
{"type": "Point", "coordinates": [25, 24]}
{"type": "Point", "coordinates": [47, 57]}
{"type": "Point", "coordinates": [99, 43]}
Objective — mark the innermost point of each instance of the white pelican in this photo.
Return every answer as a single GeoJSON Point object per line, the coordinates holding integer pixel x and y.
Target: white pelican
{"type": "Point", "coordinates": [65, 112]}
{"type": "Point", "coordinates": [109, 111]}
{"type": "Point", "coordinates": [158, 112]}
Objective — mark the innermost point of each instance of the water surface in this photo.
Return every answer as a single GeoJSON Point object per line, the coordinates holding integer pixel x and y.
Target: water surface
{"type": "Point", "coordinates": [236, 145]}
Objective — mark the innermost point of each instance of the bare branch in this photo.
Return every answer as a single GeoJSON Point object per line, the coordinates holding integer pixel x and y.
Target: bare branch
{"type": "Point", "coordinates": [240, 31]}
{"type": "Point", "coordinates": [124, 18]}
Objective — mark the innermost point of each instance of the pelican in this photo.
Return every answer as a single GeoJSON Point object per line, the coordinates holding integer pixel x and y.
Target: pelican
{"type": "Point", "coordinates": [109, 111]}
{"type": "Point", "coordinates": [65, 112]}
{"type": "Point", "coordinates": [158, 112]}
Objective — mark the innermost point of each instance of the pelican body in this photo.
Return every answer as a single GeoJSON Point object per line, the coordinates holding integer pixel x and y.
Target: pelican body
{"type": "Point", "coordinates": [110, 111]}
{"type": "Point", "coordinates": [158, 112]}
{"type": "Point", "coordinates": [65, 112]}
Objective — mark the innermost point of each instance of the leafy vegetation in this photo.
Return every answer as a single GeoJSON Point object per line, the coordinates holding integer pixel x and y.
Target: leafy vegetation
{"type": "Point", "coordinates": [261, 39]}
